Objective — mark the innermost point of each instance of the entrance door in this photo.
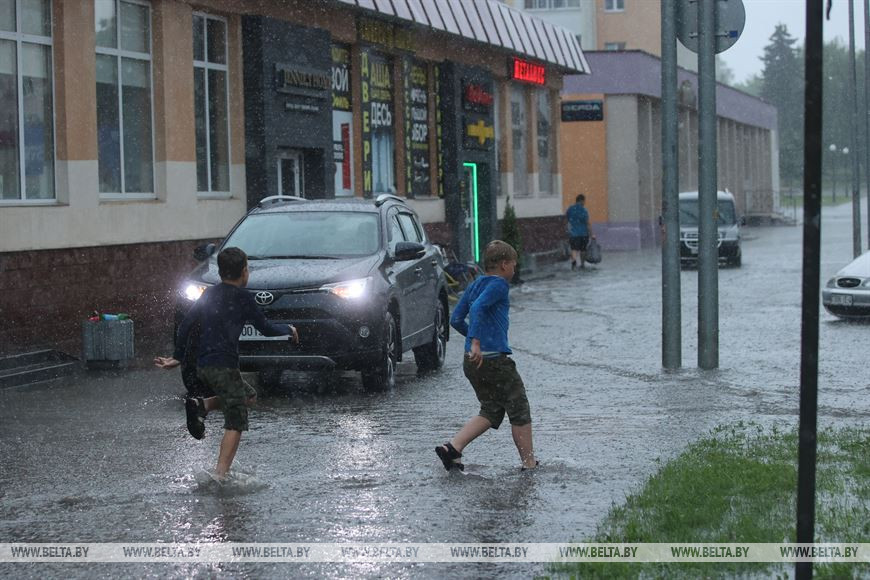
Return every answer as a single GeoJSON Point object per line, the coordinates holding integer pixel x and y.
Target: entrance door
{"type": "Point", "coordinates": [290, 173]}
{"type": "Point", "coordinates": [471, 208]}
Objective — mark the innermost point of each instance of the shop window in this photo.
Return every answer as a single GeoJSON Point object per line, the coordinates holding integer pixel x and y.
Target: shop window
{"type": "Point", "coordinates": [614, 46]}
{"type": "Point", "coordinates": [379, 143]}
{"type": "Point", "coordinates": [545, 141]}
{"type": "Point", "coordinates": [26, 117]}
{"type": "Point", "coordinates": [417, 122]}
{"type": "Point", "coordinates": [519, 134]}
{"type": "Point", "coordinates": [342, 120]}
{"type": "Point", "coordinates": [614, 5]}
{"type": "Point", "coordinates": [211, 104]}
{"type": "Point", "coordinates": [124, 117]}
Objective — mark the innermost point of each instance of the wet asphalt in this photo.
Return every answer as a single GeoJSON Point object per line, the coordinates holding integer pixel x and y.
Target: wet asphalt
{"type": "Point", "coordinates": [105, 457]}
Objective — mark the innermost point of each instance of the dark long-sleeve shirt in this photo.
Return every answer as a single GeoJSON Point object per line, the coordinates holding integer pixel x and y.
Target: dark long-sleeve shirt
{"type": "Point", "coordinates": [222, 312]}
{"type": "Point", "coordinates": [486, 303]}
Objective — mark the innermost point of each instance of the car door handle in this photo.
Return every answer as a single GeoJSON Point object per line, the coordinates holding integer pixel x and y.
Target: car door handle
{"type": "Point", "coordinates": [434, 263]}
{"type": "Point", "coordinates": [418, 270]}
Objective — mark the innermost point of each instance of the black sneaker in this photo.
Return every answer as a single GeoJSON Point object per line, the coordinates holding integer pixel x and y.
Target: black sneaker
{"type": "Point", "coordinates": [195, 409]}
{"type": "Point", "coordinates": [573, 265]}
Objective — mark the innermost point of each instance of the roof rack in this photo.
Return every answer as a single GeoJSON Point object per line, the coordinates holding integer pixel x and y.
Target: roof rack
{"type": "Point", "coordinates": [384, 197]}
{"type": "Point", "coordinates": [277, 198]}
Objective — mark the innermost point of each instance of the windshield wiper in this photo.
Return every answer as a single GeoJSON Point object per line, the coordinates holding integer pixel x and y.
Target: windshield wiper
{"type": "Point", "coordinates": [302, 257]}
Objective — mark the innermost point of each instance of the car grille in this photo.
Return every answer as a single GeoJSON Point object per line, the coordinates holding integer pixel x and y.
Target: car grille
{"type": "Point", "coordinates": [691, 239]}
{"type": "Point", "coordinates": [848, 282]}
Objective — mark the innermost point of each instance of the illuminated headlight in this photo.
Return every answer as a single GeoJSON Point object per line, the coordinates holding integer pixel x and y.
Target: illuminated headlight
{"type": "Point", "coordinates": [349, 290]}
{"type": "Point", "coordinates": [193, 291]}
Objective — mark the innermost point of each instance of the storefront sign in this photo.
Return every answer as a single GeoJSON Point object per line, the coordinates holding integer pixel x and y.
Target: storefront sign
{"type": "Point", "coordinates": [582, 111]}
{"type": "Point", "coordinates": [528, 72]}
{"type": "Point", "coordinates": [341, 96]}
{"type": "Point", "coordinates": [376, 77]}
{"type": "Point", "coordinates": [439, 133]}
{"type": "Point", "coordinates": [476, 97]}
{"type": "Point", "coordinates": [478, 134]}
{"type": "Point", "coordinates": [416, 99]}
{"type": "Point", "coordinates": [385, 34]}
{"type": "Point", "coordinates": [297, 80]}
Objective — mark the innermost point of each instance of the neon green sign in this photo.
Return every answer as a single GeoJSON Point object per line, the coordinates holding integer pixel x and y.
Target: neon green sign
{"type": "Point", "coordinates": [475, 231]}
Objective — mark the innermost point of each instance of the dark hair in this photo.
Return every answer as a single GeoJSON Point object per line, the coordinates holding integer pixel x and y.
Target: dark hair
{"type": "Point", "coordinates": [231, 263]}
{"type": "Point", "coordinates": [580, 198]}
{"type": "Point", "coordinates": [496, 252]}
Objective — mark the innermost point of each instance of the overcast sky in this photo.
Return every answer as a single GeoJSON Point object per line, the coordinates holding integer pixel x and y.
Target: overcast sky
{"type": "Point", "coordinates": [762, 16]}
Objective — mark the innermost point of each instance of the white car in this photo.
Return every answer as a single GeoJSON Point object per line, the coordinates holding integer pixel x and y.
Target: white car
{"type": "Point", "coordinates": [847, 294]}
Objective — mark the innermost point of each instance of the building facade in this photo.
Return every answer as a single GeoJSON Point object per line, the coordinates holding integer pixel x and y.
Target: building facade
{"type": "Point", "coordinates": [136, 129]}
{"type": "Point", "coordinates": [617, 119]}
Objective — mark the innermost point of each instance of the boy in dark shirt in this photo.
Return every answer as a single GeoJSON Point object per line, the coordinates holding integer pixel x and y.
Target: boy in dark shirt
{"type": "Point", "coordinates": [222, 312]}
{"type": "Point", "coordinates": [487, 366]}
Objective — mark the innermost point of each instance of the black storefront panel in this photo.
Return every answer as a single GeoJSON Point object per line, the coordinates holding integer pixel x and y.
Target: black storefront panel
{"type": "Point", "coordinates": [288, 107]}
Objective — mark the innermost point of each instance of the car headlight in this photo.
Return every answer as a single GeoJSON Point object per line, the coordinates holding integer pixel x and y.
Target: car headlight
{"type": "Point", "coordinates": [193, 290]}
{"type": "Point", "coordinates": [866, 283]}
{"type": "Point", "coordinates": [349, 290]}
{"type": "Point", "coordinates": [831, 283]}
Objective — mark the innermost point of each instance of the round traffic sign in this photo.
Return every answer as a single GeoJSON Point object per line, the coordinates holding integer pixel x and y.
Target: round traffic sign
{"type": "Point", "coordinates": [730, 20]}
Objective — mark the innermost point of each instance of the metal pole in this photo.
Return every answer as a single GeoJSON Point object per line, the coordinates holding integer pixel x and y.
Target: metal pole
{"type": "Point", "coordinates": [806, 488]}
{"type": "Point", "coordinates": [867, 109]}
{"type": "Point", "coordinates": [853, 136]}
{"type": "Point", "coordinates": [708, 232]}
{"type": "Point", "coordinates": [672, 349]}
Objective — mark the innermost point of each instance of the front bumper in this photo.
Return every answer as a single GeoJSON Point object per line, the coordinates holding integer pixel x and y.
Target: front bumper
{"type": "Point", "coordinates": [851, 303]}
{"type": "Point", "coordinates": [728, 250]}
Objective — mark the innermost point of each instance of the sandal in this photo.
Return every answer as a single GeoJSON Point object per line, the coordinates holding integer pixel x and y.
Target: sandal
{"type": "Point", "coordinates": [195, 409]}
{"type": "Point", "coordinates": [449, 456]}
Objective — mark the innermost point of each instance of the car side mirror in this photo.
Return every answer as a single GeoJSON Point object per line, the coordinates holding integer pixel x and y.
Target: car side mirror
{"type": "Point", "coordinates": [408, 251]}
{"type": "Point", "coordinates": [202, 252]}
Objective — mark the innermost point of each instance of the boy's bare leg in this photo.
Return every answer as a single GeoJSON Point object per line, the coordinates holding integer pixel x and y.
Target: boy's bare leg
{"type": "Point", "coordinates": [211, 404]}
{"type": "Point", "coordinates": [474, 428]}
{"type": "Point", "coordinates": [229, 446]}
{"type": "Point", "coordinates": [523, 440]}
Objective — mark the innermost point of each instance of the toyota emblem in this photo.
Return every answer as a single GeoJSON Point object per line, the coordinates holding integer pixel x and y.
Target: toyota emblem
{"type": "Point", "coordinates": [264, 298]}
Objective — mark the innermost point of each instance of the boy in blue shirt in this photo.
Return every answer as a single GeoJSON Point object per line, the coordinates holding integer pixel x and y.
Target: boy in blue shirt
{"type": "Point", "coordinates": [578, 231]}
{"type": "Point", "coordinates": [487, 366]}
{"type": "Point", "coordinates": [222, 312]}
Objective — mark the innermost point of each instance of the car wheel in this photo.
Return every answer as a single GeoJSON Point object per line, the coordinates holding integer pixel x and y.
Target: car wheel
{"type": "Point", "coordinates": [269, 380]}
{"type": "Point", "coordinates": [382, 375]}
{"type": "Point", "coordinates": [431, 357]}
{"type": "Point", "coordinates": [738, 261]}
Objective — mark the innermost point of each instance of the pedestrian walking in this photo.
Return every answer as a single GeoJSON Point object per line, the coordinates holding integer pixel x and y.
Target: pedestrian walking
{"type": "Point", "coordinates": [578, 231]}
{"type": "Point", "coordinates": [487, 363]}
{"type": "Point", "coordinates": [222, 312]}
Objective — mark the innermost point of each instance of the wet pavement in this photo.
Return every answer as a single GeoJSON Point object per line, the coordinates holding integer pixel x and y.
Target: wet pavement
{"type": "Point", "coordinates": [106, 458]}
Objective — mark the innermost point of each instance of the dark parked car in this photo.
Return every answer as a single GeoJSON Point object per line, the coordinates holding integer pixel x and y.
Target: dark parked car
{"type": "Point", "coordinates": [847, 294]}
{"type": "Point", "coordinates": [357, 278]}
{"type": "Point", "coordinates": [727, 225]}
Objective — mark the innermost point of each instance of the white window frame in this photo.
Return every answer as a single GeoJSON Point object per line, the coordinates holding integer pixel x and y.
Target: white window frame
{"type": "Point", "coordinates": [120, 54]}
{"type": "Point", "coordinates": [207, 66]}
{"type": "Point", "coordinates": [20, 38]}
{"type": "Point", "coordinates": [614, 5]}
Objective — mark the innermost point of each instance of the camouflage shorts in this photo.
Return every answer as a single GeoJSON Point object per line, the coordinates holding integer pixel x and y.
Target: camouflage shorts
{"type": "Point", "coordinates": [500, 390]}
{"type": "Point", "coordinates": [233, 392]}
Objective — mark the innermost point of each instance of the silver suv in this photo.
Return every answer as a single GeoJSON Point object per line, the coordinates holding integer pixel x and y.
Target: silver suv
{"type": "Point", "coordinates": [728, 223]}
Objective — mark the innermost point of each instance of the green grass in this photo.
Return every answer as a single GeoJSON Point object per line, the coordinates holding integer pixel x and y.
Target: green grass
{"type": "Point", "coordinates": [738, 484]}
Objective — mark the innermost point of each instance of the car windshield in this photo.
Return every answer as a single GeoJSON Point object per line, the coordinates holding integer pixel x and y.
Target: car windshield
{"type": "Point", "coordinates": [308, 234]}
{"type": "Point", "coordinates": [689, 212]}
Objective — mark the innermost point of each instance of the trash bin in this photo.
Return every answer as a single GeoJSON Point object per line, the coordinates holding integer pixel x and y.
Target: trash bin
{"type": "Point", "coordinates": [107, 344]}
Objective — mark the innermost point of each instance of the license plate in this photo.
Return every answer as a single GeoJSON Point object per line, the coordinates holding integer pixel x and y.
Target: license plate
{"type": "Point", "coordinates": [844, 299]}
{"type": "Point", "coordinates": [251, 333]}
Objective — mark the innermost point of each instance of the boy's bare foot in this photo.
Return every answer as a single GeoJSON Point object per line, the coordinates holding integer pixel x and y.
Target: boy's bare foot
{"type": "Point", "coordinates": [530, 467]}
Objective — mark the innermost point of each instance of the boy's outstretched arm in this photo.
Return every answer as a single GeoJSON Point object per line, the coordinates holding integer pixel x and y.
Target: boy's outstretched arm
{"type": "Point", "coordinates": [261, 323]}
{"type": "Point", "coordinates": [168, 362]}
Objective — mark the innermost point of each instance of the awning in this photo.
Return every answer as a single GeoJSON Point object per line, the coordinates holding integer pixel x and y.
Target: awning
{"type": "Point", "coordinates": [490, 22]}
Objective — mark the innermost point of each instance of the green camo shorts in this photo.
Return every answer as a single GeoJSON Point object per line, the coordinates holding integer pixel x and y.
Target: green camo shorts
{"type": "Point", "coordinates": [499, 389]}
{"type": "Point", "coordinates": [233, 392]}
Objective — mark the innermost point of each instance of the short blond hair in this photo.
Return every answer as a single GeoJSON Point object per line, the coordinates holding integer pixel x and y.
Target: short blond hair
{"type": "Point", "coordinates": [496, 252]}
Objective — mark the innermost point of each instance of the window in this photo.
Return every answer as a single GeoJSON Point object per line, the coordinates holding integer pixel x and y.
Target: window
{"type": "Point", "coordinates": [519, 120]}
{"type": "Point", "coordinates": [544, 4]}
{"type": "Point", "coordinates": [412, 233]}
{"type": "Point", "coordinates": [614, 5]}
{"type": "Point", "coordinates": [211, 104]}
{"type": "Point", "coordinates": [26, 105]}
{"type": "Point", "coordinates": [124, 117]}
{"type": "Point", "coordinates": [614, 46]}
{"type": "Point", "coordinates": [545, 142]}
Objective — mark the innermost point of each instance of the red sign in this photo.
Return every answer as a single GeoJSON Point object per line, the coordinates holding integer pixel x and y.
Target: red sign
{"type": "Point", "coordinates": [477, 95]}
{"type": "Point", "coordinates": [345, 166]}
{"type": "Point", "coordinates": [529, 72]}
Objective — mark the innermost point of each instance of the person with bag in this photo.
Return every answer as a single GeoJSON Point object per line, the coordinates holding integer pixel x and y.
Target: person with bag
{"type": "Point", "coordinates": [578, 231]}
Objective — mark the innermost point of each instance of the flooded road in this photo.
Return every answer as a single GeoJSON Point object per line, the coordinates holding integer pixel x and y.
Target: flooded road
{"type": "Point", "coordinates": [106, 457]}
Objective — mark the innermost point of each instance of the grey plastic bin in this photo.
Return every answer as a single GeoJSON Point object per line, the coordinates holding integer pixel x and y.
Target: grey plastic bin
{"type": "Point", "coordinates": [107, 343]}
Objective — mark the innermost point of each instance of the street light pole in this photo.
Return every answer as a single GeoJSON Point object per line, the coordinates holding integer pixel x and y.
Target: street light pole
{"type": "Point", "coordinates": [834, 163]}
{"type": "Point", "coordinates": [853, 136]}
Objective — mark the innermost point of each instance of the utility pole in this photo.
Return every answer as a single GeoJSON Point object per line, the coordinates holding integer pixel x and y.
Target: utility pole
{"type": "Point", "coordinates": [867, 109]}
{"type": "Point", "coordinates": [708, 231]}
{"type": "Point", "coordinates": [672, 347]}
{"type": "Point", "coordinates": [853, 136]}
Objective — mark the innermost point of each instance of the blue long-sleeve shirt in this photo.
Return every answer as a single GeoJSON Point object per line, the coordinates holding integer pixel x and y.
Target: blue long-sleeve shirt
{"type": "Point", "coordinates": [485, 303]}
{"type": "Point", "coordinates": [222, 312]}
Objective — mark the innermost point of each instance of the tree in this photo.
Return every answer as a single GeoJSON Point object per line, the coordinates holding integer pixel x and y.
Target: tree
{"type": "Point", "coordinates": [783, 88]}
{"type": "Point", "coordinates": [752, 85]}
{"type": "Point", "coordinates": [510, 233]}
{"type": "Point", "coordinates": [724, 74]}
